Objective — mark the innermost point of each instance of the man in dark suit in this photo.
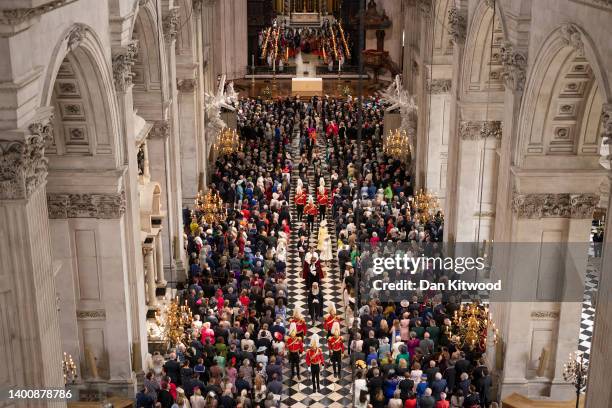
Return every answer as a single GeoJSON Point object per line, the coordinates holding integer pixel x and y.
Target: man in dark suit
{"type": "Point", "coordinates": [173, 369]}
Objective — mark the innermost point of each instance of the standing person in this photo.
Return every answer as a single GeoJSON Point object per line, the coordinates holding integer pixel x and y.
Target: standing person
{"type": "Point", "coordinates": [315, 300]}
{"type": "Point", "coordinates": [312, 269]}
{"type": "Point", "coordinates": [295, 346]}
{"type": "Point", "coordinates": [330, 319]}
{"type": "Point", "coordinates": [336, 347]}
{"type": "Point", "coordinates": [300, 200]}
{"type": "Point", "coordinates": [322, 199]}
{"type": "Point", "coordinates": [310, 209]}
{"type": "Point", "coordinates": [315, 362]}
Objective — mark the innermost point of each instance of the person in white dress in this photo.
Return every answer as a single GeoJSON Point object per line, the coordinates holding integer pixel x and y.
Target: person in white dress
{"type": "Point", "coordinates": [324, 245]}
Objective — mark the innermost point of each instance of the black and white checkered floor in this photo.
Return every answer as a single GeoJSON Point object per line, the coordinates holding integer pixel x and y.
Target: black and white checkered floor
{"type": "Point", "coordinates": [335, 392]}
{"type": "Point", "coordinates": [587, 319]}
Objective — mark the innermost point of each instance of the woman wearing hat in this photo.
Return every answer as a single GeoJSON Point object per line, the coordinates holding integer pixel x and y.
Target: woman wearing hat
{"type": "Point", "coordinates": [315, 361]}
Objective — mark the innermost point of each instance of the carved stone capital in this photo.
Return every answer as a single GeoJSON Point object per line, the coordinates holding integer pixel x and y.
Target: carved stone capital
{"type": "Point", "coordinates": [197, 5]}
{"type": "Point", "coordinates": [17, 16]}
{"type": "Point", "coordinates": [160, 130]}
{"type": "Point", "coordinates": [514, 66]}
{"type": "Point", "coordinates": [76, 36]}
{"type": "Point", "coordinates": [123, 60]}
{"type": "Point", "coordinates": [102, 206]}
{"type": "Point", "coordinates": [571, 36]}
{"type": "Point", "coordinates": [425, 8]}
{"type": "Point", "coordinates": [457, 26]}
{"type": "Point", "coordinates": [23, 165]}
{"type": "Point", "coordinates": [170, 24]}
{"type": "Point", "coordinates": [186, 85]}
{"type": "Point", "coordinates": [439, 86]}
{"type": "Point", "coordinates": [536, 206]}
{"type": "Point", "coordinates": [476, 130]}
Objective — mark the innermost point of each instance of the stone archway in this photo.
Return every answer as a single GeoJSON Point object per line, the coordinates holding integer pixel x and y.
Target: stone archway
{"type": "Point", "coordinates": [555, 160]}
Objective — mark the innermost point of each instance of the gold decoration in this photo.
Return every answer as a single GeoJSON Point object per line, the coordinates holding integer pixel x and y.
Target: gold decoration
{"type": "Point", "coordinates": [397, 145]}
{"type": "Point", "coordinates": [427, 205]}
{"type": "Point", "coordinates": [472, 323]}
{"type": "Point", "coordinates": [177, 318]}
{"type": "Point", "coordinates": [228, 142]}
{"type": "Point", "coordinates": [211, 206]}
{"type": "Point", "coordinates": [69, 368]}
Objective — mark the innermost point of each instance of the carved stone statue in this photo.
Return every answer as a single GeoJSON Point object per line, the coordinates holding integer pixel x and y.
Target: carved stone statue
{"type": "Point", "coordinates": [399, 98]}
{"type": "Point", "coordinates": [213, 104]}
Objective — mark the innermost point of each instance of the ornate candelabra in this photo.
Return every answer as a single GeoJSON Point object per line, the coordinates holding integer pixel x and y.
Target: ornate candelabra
{"type": "Point", "coordinates": [472, 323]}
{"type": "Point", "coordinates": [575, 371]}
{"type": "Point", "coordinates": [228, 142]}
{"type": "Point", "coordinates": [177, 317]}
{"type": "Point", "coordinates": [426, 205]}
{"type": "Point", "coordinates": [69, 369]}
{"type": "Point", "coordinates": [211, 206]}
{"type": "Point", "coordinates": [397, 145]}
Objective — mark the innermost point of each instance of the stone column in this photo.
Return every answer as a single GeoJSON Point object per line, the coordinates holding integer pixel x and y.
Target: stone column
{"type": "Point", "coordinates": [173, 155]}
{"type": "Point", "coordinates": [123, 59]}
{"type": "Point", "coordinates": [150, 275]}
{"type": "Point", "coordinates": [437, 137]}
{"type": "Point", "coordinates": [159, 260]}
{"type": "Point", "coordinates": [28, 300]}
{"type": "Point", "coordinates": [191, 162]}
{"type": "Point", "coordinates": [544, 288]}
{"type": "Point", "coordinates": [453, 151]}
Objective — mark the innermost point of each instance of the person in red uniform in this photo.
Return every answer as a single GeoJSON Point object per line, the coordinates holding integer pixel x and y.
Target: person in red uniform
{"type": "Point", "coordinates": [300, 200]}
{"type": "Point", "coordinates": [315, 362]}
{"type": "Point", "coordinates": [322, 198]}
{"type": "Point", "coordinates": [300, 324]}
{"type": "Point", "coordinates": [310, 209]}
{"type": "Point", "coordinates": [331, 318]}
{"type": "Point", "coordinates": [335, 344]}
{"type": "Point", "coordinates": [295, 347]}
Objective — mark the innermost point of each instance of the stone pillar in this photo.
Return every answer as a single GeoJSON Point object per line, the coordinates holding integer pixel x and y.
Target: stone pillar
{"type": "Point", "coordinates": [176, 257]}
{"type": "Point", "coordinates": [123, 59]}
{"type": "Point", "coordinates": [437, 137]}
{"type": "Point", "coordinates": [544, 287]}
{"type": "Point", "coordinates": [32, 345]}
{"type": "Point", "coordinates": [159, 260]}
{"type": "Point", "coordinates": [149, 262]}
{"type": "Point", "coordinates": [191, 146]}
{"type": "Point", "coordinates": [453, 150]}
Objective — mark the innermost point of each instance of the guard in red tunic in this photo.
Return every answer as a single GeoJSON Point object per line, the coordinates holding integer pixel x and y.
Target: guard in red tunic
{"type": "Point", "coordinates": [310, 209]}
{"type": "Point", "coordinates": [300, 200]}
{"type": "Point", "coordinates": [295, 347]}
{"type": "Point", "coordinates": [322, 198]}
{"type": "Point", "coordinates": [300, 324]}
{"type": "Point", "coordinates": [330, 318]}
{"type": "Point", "coordinates": [335, 344]}
{"type": "Point", "coordinates": [315, 362]}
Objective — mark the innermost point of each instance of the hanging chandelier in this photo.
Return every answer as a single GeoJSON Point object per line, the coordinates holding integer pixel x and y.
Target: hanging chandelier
{"type": "Point", "coordinates": [472, 323]}
{"type": "Point", "coordinates": [427, 205]}
{"type": "Point", "coordinates": [397, 145]}
{"type": "Point", "coordinates": [211, 206]}
{"type": "Point", "coordinates": [228, 142]}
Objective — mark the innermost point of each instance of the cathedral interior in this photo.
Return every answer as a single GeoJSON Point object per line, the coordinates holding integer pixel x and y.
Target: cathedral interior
{"type": "Point", "coordinates": [195, 195]}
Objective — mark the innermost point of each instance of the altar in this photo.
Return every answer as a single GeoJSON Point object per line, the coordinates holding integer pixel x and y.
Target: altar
{"type": "Point", "coordinates": [305, 18]}
{"type": "Point", "coordinates": [304, 86]}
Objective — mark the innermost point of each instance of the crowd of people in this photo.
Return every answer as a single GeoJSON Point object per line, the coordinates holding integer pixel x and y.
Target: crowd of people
{"type": "Point", "coordinates": [243, 333]}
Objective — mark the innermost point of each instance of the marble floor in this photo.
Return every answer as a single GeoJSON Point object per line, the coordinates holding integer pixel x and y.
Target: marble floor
{"type": "Point", "coordinates": [335, 392]}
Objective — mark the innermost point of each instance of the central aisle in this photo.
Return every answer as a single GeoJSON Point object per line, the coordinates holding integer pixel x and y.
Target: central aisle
{"type": "Point", "coordinates": [335, 392]}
